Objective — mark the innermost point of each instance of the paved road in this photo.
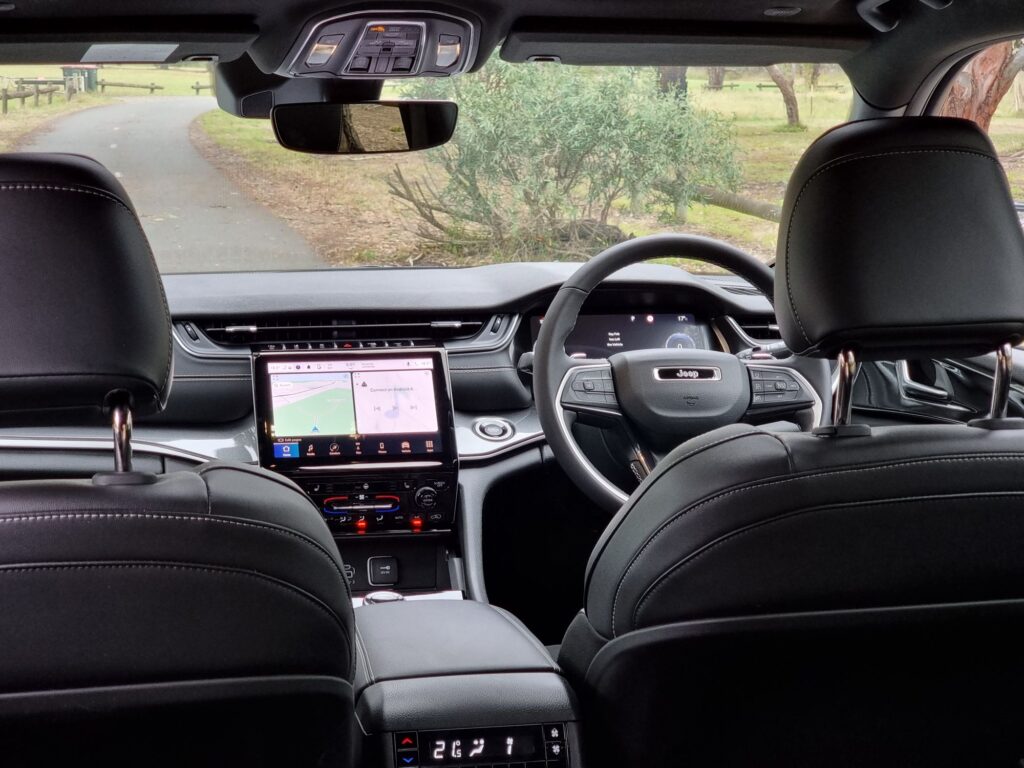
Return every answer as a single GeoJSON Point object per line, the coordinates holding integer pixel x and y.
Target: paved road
{"type": "Point", "coordinates": [196, 219]}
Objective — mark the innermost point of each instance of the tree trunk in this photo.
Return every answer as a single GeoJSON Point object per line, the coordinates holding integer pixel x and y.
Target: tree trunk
{"type": "Point", "coordinates": [716, 78]}
{"type": "Point", "coordinates": [976, 92]}
{"type": "Point", "coordinates": [813, 75]}
{"type": "Point", "coordinates": [788, 90]}
{"type": "Point", "coordinates": [672, 80]}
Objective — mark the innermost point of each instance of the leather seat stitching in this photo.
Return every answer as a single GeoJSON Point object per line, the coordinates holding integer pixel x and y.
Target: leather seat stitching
{"type": "Point", "coordinates": [185, 567]}
{"type": "Point", "coordinates": [783, 517]}
{"type": "Point", "coordinates": [205, 469]}
{"type": "Point", "coordinates": [832, 166]}
{"type": "Point", "coordinates": [850, 469]}
{"type": "Point", "coordinates": [365, 656]}
{"type": "Point", "coordinates": [87, 515]}
{"type": "Point", "coordinates": [667, 468]}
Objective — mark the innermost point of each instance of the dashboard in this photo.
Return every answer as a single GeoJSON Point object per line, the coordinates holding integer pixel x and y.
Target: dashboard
{"type": "Point", "coordinates": [599, 336]}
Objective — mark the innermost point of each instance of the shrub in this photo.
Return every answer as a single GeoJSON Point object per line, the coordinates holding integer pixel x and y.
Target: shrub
{"type": "Point", "coordinates": [543, 155]}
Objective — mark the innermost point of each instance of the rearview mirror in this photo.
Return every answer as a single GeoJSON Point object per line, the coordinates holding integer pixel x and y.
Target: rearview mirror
{"type": "Point", "coordinates": [364, 128]}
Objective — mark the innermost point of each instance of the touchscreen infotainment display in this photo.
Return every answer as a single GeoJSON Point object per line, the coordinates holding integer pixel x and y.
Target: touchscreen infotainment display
{"type": "Point", "coordinates": [338, 408]}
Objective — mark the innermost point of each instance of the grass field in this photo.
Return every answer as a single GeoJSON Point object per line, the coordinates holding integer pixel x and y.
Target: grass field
{"type": "Point", "coordinates": [342, 205]}
{"type": "Point", "coordinates": [20, 120]}
{"type": "Point", "coordinates": [173, 82]}
{"type": "Point", "coordinates": [352, 192]}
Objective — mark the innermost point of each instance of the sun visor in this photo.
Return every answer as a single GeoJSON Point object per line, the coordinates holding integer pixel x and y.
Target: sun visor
{"type": "Point", "coordinates": [153, 44]}
{"type": "Point", "coordinates": [625, 44]}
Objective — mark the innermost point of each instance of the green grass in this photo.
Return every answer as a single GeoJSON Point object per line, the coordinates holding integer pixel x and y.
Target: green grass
{"type": "Point", "coordinates": [174, 82]}
{"type": "Point", "coordinates": [22, 120]}
{"type": "Point", "coordinates": [768, 151]}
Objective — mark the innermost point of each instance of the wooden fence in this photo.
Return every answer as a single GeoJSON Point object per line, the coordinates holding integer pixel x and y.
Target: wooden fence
{"type": "Point", "coordinates": [152, 87]}
{"type": "Point", "coordinates": [22, 92]}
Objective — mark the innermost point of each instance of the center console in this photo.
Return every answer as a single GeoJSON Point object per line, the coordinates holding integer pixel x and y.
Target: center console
{"type": "Point", "coordinates": [460, 685]}
{"type": "Point", "coordinates": [370, 436]}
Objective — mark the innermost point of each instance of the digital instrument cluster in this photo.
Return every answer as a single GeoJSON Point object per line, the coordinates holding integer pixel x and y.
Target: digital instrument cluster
{"type": "Point", "coordinates": [601, 336]}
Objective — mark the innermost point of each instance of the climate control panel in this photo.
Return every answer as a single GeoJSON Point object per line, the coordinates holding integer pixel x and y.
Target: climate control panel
{"type": "Point", "coordinates": [393, 503]}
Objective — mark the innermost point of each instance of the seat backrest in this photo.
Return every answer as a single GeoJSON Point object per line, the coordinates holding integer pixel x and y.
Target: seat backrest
{"type": "Point", "coordinates": [197, 618]}
{"type": "Point", "coordinates": [937, 687]}
{"type": "Point", "coordinates": [853, 596]}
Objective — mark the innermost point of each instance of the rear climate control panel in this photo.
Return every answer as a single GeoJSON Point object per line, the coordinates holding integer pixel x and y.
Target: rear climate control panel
{"type": "Point", "coordinates": [382, 46]}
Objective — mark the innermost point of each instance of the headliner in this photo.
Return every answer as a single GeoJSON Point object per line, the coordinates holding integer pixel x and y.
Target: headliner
{"type": "Point", "coordinates": [886, 68]}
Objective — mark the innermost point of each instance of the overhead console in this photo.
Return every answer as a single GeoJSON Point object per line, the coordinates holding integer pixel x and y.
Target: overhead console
{"type": "Point", "coordinates": [383, 45]}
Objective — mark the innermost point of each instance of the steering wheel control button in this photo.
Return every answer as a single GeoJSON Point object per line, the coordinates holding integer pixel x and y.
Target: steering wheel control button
{"type": "Point", "coordinates": [591, 387]}
{"type": "Point", "coordinates": [382, 571]}
{"type": "Point", "coordinates": [777, 388]}
{"type": "Point", "coordinates": [493, 429]}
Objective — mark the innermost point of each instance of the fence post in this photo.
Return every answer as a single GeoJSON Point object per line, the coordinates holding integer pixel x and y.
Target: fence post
{"type": "Point", "coordinates": [3, 100]}
{"type": "Point", "coordinates": [152, 88]}
{"type": "Point", "coordinates": [35, 95]}
{"type": "Point", "coordinates": [23, 97]}
{"type": "Point", "coordinates": [103, 86]}
{"type": "Point", "coordinates": [49, 97]}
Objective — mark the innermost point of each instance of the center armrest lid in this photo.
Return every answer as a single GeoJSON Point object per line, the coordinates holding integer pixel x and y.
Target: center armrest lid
{"type": "Point", "coordinates": [434, 638]}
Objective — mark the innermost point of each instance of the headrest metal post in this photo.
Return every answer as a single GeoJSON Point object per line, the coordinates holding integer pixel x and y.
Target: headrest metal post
{"type": "Point", "coordinates": [842, 401]}
{"type": "Point", "coordinates": [121, 417]}
{"type": "Point", "coordinates": [1001, 383]}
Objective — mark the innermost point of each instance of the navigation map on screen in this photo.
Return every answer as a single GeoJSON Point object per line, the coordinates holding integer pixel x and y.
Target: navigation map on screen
{"type": "Point", "coordinates": [368, 397]}
{"type": "Point", "coordinates": [313, 404]}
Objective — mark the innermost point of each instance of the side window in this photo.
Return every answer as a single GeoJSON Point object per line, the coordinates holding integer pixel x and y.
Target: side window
{"type": "Point", "coordinates": [990, 91]}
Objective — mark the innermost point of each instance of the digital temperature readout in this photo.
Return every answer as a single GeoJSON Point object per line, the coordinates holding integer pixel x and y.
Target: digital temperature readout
{"type": "Point", "coordinates": [540, 746]}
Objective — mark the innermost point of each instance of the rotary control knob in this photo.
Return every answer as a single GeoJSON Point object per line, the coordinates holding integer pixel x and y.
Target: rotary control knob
{"type": "Point", "coordinates": [426, 498]}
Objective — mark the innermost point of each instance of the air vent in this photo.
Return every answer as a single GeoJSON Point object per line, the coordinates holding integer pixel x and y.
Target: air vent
{"type": "Point", "coordinates": [742, 290]}
{"type": "Point", "coordinates": [357, 332]}
{"type": "Point", "coordinates": [761, 331]}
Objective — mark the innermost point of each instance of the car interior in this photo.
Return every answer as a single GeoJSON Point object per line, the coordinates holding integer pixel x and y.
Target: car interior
{"type": "Point", "coordinates": [673, 501]}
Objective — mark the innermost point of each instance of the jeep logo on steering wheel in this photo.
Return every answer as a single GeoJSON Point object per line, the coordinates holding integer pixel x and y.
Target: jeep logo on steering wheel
{"type": "Point", "coordinates": [688, 373]}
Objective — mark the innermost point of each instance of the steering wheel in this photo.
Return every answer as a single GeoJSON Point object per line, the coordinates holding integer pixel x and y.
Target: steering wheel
{"type": "Point", "coordinates": [659, 397]}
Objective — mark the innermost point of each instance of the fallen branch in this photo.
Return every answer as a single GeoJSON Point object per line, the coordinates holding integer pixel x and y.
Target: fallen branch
{"type": "Point", "coordinates": [734, 202]}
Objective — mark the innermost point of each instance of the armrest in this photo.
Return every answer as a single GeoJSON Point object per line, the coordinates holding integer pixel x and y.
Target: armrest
{"type": "Point", "coordinates": [453, 664]}
{"type": "Point", "coordinates": [440, 638]}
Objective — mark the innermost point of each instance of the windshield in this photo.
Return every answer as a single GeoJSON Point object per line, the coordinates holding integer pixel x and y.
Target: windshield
{"type": "Point", "coordinates": [548, 162]}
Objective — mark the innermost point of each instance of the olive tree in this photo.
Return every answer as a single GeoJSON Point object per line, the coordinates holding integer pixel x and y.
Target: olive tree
{"type": "Point", "coordinates": [544, 156]}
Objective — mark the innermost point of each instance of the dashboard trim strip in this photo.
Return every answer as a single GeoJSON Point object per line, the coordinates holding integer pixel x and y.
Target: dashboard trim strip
{"type": "Point", "coordinates": [96, 443]}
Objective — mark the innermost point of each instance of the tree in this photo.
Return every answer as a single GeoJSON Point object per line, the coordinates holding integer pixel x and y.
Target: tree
{"type": "Point", "coordinates": [977, 90]}
{"type": "Point", "coordinates": [716, 78]}
{"type": "Point", "coordinates": [545, 155]}
{"type": "Point", "coordinates": [811, 74]}
{"type": "Point", "coordinates": [673, 80]}
{"type": "Point", "coordinates": [787, 87]}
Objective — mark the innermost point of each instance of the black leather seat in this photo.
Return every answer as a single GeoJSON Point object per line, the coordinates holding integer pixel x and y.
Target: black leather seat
{"type": "Point", "coordinates": [195, 618]}
{"type": "Point", "coordinates": [852, 597]}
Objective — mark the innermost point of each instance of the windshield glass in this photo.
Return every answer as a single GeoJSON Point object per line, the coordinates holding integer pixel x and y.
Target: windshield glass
{"type": "Point", "coordinates": [548, 162]}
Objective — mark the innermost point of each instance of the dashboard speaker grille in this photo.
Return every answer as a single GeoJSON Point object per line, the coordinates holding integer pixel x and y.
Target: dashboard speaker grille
{"type": "Point", "coordinates": [274, 329]}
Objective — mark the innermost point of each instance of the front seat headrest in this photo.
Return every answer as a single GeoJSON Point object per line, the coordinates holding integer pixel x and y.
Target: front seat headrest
{"type": "Point", "coordinates": [83, 316]}
{"type": "Point", "coordinates": [899, 239]}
